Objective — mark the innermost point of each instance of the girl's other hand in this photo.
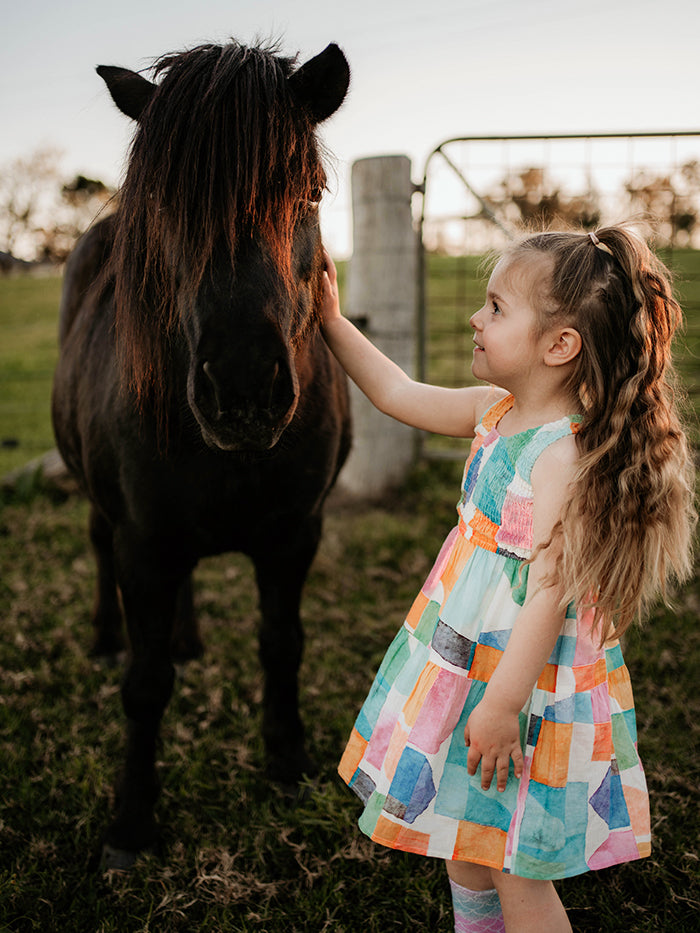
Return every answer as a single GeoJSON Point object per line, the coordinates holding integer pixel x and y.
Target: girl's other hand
{"type": "Point", "coordinates": [493, 737]}
{"type": "Point", "coordinates": [330, 304]}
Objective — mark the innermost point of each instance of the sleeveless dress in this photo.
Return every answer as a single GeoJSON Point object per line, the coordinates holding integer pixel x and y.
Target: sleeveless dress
{"type": "Point", "coordinates": [582, 801]}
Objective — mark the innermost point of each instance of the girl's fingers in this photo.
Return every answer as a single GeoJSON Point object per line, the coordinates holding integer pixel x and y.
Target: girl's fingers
{"type": "Point", "coordinates": [517, 757]}
{"type": "Point", "coordinates": [496, 764]}
{"type": "Point", "coordinates": [488, 766]}
{"type": "Point", "coordinates": [329, 265]}
{"type": "Point", "coordinates": [473, 758]}
{"type": "Point", "coordinates": [502, 772]}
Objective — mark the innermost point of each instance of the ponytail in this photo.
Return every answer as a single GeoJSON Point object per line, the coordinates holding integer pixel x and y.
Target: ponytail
{"type": "Point", "coordinates": [627, 530]}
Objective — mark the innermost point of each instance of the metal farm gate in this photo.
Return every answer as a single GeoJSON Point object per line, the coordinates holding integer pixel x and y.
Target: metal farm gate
{"type": "Point", "coordinates": [477, 192]}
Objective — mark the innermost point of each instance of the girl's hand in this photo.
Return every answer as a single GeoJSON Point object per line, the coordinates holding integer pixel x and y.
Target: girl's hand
{"type": "Point", "coordinates": [492, 735]}
{"type": "Point", "coordinates": [330, 304]}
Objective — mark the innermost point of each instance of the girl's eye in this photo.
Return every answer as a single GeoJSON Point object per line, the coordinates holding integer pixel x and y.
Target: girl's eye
{"type": "Point", "coordinates": [496, 309]}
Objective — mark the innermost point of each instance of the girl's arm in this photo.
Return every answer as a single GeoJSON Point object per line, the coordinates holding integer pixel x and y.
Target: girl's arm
{"type": "Point", "coordinates": [493, 729]}
{"type": "Point", "coordinates": [453, 412]}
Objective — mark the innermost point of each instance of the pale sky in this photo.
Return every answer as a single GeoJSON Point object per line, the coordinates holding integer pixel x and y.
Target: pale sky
{"type": "Point", "coordinates": [421, 72]}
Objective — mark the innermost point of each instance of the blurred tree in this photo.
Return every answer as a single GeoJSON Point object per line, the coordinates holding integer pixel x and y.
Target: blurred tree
{"type": "Point", "coordinates": [530, 197]}
{"type": "Point", "coordinates": [41, 216]}
{"type": "Point", "coordinates": [82, 199]}
{"type": "Point", "coordinates": [669, 201]}
{"type": "Point", "coordinates": [25, 186]}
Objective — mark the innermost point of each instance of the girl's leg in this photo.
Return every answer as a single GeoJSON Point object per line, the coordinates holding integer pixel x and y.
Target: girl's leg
{"type": "Point", "coordinates": [477, 908]}
{"type": "Point", "coordinates": [530, 906]}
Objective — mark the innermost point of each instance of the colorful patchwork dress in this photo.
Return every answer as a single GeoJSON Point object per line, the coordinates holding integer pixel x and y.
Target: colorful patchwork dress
{"type": "Point", "coordinates": [582, 801]}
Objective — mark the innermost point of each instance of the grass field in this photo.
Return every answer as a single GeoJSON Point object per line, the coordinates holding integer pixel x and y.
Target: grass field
{"type": "Point", "coordinates": [28, 352]}
{"type": "Point", "coordinates": [237, 854]}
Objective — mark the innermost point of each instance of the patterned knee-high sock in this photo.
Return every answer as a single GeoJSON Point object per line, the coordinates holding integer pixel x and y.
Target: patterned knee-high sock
{"type": "Point", "coordinates": [476, 911]}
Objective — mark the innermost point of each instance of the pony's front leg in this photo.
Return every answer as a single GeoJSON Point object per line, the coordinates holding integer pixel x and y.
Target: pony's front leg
{"type": "Point", "coordinates": [186, 642]}
{"type": "Point", "coordinates": [281, 576]}
{"type": "Point", "coordinates": [106, 613]}
{"type": "Point", "coordinates": [149, 593]}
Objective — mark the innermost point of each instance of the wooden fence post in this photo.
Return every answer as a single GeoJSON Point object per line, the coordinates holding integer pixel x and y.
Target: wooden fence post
{"type": "Point", "coordinates": [381, 300]}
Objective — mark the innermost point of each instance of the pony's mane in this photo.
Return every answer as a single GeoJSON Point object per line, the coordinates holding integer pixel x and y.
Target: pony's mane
{"type": "Point", "coordinates": [221, 150]}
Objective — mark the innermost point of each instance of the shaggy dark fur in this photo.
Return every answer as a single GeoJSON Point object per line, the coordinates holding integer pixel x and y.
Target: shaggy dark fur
{"type": "Point", "coordinates": [195, 399]}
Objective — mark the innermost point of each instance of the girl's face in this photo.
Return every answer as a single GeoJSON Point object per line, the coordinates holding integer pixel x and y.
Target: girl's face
{"type": "Point", "coordinates": [507, 347]}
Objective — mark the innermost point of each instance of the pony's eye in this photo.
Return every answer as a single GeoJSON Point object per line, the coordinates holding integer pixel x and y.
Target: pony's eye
{"type": "Point", "coordinates": [315, 195]}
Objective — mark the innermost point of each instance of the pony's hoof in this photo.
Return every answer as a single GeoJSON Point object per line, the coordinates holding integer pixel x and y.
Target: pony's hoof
{"type": "Point", "coordinates": [117, 859]}
{"type": "Point", "coordinates": [185, 649]}
{"type": "Point", "coordinates": [290, 770]}
{"type": "Point", "coordinates": [108, 651]}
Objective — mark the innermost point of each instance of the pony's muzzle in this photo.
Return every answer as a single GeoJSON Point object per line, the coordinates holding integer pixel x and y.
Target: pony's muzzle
{"type": "Point", "coordinates": [234, 415]}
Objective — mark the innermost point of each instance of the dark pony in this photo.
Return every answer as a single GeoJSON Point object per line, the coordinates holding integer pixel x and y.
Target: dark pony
{"type": "Point", "coordinates": [194, 398]}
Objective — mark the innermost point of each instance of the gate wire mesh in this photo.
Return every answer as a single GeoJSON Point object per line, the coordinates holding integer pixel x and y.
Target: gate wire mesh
{"type": "Point", "coordinates": [478, 192]}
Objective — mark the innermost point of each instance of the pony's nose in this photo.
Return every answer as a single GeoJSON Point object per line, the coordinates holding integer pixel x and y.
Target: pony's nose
{"type": "Point", "coordinates": [272, 393]}
{"type": "Point", "coordinates": [209, 373]}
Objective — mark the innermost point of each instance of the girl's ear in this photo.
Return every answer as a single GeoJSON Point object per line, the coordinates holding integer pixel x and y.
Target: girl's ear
{"type": "Point", "coordinates": [564, 347]}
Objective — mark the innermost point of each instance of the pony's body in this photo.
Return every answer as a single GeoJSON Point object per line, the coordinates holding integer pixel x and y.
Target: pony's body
{"type": "Point", "coordinates": [195, 398]}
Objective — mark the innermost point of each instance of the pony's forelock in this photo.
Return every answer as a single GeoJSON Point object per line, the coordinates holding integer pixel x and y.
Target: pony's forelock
{"type": "Point", "coordinates": [221, 153]}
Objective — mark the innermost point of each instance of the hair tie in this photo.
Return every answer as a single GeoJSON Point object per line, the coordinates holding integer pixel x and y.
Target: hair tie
{"type": "Point", "coordinates": [598, 245]}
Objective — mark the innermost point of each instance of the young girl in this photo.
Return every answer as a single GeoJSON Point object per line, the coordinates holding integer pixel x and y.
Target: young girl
{"type": "Point", "coordinates": [499, 733]}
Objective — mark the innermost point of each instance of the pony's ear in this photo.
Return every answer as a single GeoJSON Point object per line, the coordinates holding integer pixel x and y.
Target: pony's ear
{"type": "Point", "coordinates": [130, 92]}
{"type": "Point", "coordinates": [321, 84]}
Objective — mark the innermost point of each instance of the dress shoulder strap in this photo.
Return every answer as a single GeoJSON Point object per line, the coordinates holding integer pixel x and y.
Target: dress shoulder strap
{"type": "Point", "coordinates": [493, 415]}
{"type": "Point", "coordinates": [541, 438]}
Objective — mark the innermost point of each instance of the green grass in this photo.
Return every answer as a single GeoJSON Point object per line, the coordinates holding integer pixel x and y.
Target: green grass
{"type": "Point", "coordinates": [237, 854]}
{"type": "Point", "coordinates": [28, 353]}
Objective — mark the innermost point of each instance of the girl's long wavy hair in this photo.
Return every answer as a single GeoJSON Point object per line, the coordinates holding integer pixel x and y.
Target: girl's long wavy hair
{"type": "Point", "coordinates": [628, 527]}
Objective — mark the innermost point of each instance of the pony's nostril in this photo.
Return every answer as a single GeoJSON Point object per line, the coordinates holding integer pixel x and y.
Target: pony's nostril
{"type": "Point", "coordinates": [209, 373]}
{"type": "Point", "coordinates": [273, 383]}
